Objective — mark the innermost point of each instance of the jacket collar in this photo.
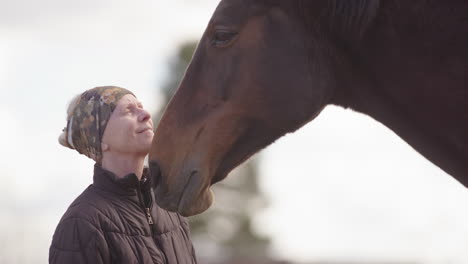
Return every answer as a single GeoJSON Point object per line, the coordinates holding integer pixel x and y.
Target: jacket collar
{"type": "Point", "coordinates": [127, 185]}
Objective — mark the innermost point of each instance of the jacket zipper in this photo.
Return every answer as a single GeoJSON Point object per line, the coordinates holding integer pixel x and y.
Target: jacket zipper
{"type": "Point", "coordinates": [147, 210]}
{"type": "Point", "coordinates": [148, 216]}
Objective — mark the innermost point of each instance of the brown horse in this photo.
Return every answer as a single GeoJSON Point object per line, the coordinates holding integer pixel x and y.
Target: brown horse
{"type": "Point", "coordinates": [264, 68]}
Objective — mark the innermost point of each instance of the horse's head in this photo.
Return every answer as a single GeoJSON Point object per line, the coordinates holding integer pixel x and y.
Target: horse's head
{"type": "Point", "coordinates": [258, 73]}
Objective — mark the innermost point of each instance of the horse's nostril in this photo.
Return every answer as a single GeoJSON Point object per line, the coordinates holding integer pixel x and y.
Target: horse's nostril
{"type": "Point", "coordinates": [155, 172]}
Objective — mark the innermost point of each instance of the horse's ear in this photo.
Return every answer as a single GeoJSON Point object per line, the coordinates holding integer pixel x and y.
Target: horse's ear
{"type": "Point", "coordinates": [351, 19]}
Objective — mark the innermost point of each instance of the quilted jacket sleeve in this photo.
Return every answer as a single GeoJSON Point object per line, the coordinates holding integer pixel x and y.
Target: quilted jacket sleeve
{"type": "Point", "coordinates": [78, 241]}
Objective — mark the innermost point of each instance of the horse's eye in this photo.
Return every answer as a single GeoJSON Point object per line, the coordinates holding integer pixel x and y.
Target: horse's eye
{"type": "Point", "coordinates": [223, 38]}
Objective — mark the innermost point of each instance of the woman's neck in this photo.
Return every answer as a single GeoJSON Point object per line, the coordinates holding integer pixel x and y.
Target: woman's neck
{"type": "Point", "coordinates": [123, 164]}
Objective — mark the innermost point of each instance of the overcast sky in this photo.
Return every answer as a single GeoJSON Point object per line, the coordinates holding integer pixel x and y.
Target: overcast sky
{"type": "Point", "coordinates": [342, 187]}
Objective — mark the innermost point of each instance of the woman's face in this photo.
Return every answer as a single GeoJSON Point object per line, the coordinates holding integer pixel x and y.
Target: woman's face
{"type": "Point", "coordinates": [129, 129]}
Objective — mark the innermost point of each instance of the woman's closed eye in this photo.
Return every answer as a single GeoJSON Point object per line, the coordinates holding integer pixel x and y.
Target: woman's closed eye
{"type": "Point", "coordinates": [128, 111]}
{"type": "Point", "coordinates": [132, 109]}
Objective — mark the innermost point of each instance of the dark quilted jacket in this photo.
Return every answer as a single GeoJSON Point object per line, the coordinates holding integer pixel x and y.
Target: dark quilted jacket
{"type": "Point", "coordinates": [117, 221]}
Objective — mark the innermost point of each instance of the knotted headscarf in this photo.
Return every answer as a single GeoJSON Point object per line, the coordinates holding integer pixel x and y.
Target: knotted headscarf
{"type": "Point", "coordinates": [87, 119]}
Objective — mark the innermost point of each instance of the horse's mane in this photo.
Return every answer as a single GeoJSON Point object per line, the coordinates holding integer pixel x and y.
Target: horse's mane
{"type": "Point", "coordinates": [352, 16]}
{"type": "Point", "coordinates": [347, 18]}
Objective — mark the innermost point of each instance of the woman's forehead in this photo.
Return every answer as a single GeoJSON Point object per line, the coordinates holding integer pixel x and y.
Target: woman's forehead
{"type": "Point", "coordinates": [128, 99]}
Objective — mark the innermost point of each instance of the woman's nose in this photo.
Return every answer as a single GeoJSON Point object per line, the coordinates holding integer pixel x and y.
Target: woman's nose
{"type": "Point", "coordinates": [144, 116]}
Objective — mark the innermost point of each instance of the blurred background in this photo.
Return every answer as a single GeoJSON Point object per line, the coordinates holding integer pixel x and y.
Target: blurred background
{"type": "Point", "coordinates": [343, 189]}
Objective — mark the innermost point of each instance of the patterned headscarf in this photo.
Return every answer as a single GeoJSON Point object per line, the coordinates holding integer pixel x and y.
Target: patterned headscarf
{"type": "Point", "coordinates": [88, 120]}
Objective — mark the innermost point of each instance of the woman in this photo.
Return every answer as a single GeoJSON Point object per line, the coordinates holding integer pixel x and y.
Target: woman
{"type": "Point", "coordinates": [116, 219]}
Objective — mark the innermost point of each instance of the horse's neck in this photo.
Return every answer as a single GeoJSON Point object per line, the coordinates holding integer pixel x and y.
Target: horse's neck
{"type": "Point", "coordinates": [415, 89]}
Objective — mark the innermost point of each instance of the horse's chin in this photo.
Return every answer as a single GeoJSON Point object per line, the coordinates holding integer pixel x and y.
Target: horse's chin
{"type": "Point", "coordinates": [191, 198]}
{"type": "Point", "coordinates": [190, 205]}
{"type": "Point", "coordinates": [219, 176]}
{"type": "Point", "coordinates": [195, 200]}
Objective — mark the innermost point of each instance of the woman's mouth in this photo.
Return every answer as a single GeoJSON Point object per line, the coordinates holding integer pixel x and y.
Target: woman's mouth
{"type": "Point", "coordinates": [144, 130]}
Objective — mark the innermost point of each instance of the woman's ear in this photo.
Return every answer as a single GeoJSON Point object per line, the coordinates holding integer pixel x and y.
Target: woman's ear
{"type": "Point", "coordinates": [104, 147]}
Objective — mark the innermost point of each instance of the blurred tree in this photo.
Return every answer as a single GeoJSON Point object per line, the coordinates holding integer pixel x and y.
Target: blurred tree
{"type": "Point", "coordinates": [225, 231]}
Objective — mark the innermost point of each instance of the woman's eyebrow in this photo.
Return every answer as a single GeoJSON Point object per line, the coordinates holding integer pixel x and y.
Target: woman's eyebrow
{"type": "Point", "coordinates": [127, 106]}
